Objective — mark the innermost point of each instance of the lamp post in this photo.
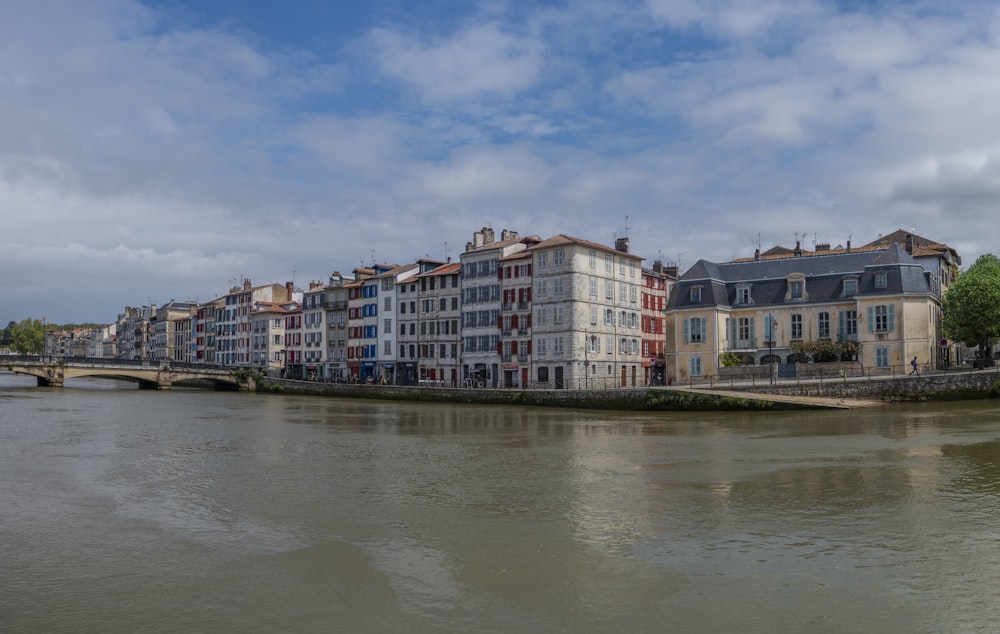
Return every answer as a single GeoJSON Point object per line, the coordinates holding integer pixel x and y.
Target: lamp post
{"type": "Point", "coordinates": [770, 346]}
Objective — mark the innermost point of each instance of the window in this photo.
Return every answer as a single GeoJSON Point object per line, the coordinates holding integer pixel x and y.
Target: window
{"type": "Point", "coordinates": [695, 366]}
{"type": "Point", "coordinates": [593, 315]}
{"type": "Point", "coordinates": [796, 327]}
{"type": "Point", "coordinates": [543, 375]}
{"type": "Point", "coordinates": [543, 260]}
{"type": "Point", "coordinates": [695, 294]}
{"type": "Point", "coordinates": [557, 348]}
{"type": "Point", "coordinates": [795, 289]}
{"type": "Point", "coordinates": [881, 280]}
{"type": "Point", "coordinates": [593, 259]}
{"type": "Point", "coordinates": [882, 357]}
{"type": "Point", "coordinates": [881, 318]}
{"type": "Point", "coordinates": [593, 287]}
{"type": "Point", "coordinates": [593, 343]}
{"type": "Point", "coordinates": [609, 264]}
{"type": "Point", "coordinates": [823, 325]}
{"type": "Point", "coordinates": [850, 287]}
{"type": "Point", "coordinates": [743, 328]}
{"type": "Point", "coordinates": [557, 286]}
{"type": "Point", "coordinates": [558, 257]}
{"type": "Point", "coordinates": [743, 295]}
{"type": "Point", "coordinates": [694, 330]}
{"type": "Point", "coordinates": [609, 289]}
{"type": "Point", "coordinates": [542, 345]}
{"type": "Point", "coordinates": [609, 317]}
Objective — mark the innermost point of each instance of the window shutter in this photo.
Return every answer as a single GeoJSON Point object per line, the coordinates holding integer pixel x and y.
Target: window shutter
{"type": "Point", "coordinates": [753, 332]}
{"type": "Point", "coordinates": [529, 346]}
{"type": "Point", "coordinates": [529, 270]}
{"type": "Point", "coordinates": [513, 347]}
{"type": "Point", "coordinates": [529, 320]}
{"type": "Point", "coordinates": [499, 272]}
{"type": "Point", "coordinates": [500, 323]}
{"type": "Point", "coordinates": [500, 347]}
{"type": "Point", "coordinates": [892, 317]}
{"type": "Point", "coordinates": [871, 319]}
{"type": "Point", "coordinates": [840, 326]}
{"type": "Point", "coordinates": [687, 330]}
{"type": "Point", "coordinates": [516, 272]}
{"type": "Point", "coordinates": [731, 327]}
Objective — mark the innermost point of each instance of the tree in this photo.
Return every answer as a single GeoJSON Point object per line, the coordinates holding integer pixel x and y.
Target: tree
{"type": "Point", "coordinates": [27, 336]}
{"type": "Point", "coordinates": [972, 305]}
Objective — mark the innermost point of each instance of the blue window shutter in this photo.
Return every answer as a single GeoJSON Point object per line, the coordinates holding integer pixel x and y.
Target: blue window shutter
{"type": "Point", "coordinates": [892, 317]}
{"type": "Point", "coordinates": [753, 332]}
{"type": "Point", "coordinates": [871, 319]}
{"type": "Point", "coordinates": [841, 326]}
{"type": "Point", "coordinates": [731, 327]}
{"type": "Point", "coordinates": [687, 330]}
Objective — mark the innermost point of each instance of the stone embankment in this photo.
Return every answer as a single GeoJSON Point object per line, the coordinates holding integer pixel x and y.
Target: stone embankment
{"type": "Point", "coordinates": [845, 393]}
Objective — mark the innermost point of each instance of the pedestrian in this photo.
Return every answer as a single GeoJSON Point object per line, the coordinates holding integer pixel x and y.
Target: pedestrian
{"type": "Point", "coordinates": [915, 369]}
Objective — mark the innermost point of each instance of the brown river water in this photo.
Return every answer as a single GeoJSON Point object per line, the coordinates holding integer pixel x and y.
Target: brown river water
{"type": "Point", "coordinates": [192, 511]}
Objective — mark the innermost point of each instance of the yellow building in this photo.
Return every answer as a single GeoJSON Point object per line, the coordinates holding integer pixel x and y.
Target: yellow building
{"type": "Point", "coordinates": [877, 306]}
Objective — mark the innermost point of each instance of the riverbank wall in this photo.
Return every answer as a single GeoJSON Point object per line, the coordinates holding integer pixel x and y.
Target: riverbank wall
{"type": "Point", "coordinates": [644, 399]}
{"type": "Point", "coordinates": [941, 386]}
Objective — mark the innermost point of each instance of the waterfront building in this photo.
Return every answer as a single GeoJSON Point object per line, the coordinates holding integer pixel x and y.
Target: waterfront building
{"type": "Point", "coordinates": [408, 323]}
{"type": "Point", "coordinates": [314, 330]}
{"type": "Point", "coordinates": [515, 319]}
{"type": "Point", "coordinates": [389, 283]}
{"type": "Point", "coordinates": [336, 325]}
{"type": "Point", "coordinates": [655, 289]}
{"type": "Point", "coordinates": [586, 314]}
{"type": "Point", "coordinates": [294, 368]}
{"type": "Point", "coordinates": [357, 362]}
{"type": "Point", "coordinates": [204, 330]}
{"type": "Point", "coordinates": [267, 326]}
{"type": "Point", "coordinates": [438, 332]}
{"type": "Point", "coordinates": [233, 340]}
{"type": "Point", "coordinates": [481, 302]}
{"type": "Point", "coordinates": [874, 305]}
{"type": "Point", "coordinates": [135, 332]}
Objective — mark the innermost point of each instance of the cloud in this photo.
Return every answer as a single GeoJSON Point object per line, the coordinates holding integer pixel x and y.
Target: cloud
{"type": "Point", "coordinates": [479, 60]}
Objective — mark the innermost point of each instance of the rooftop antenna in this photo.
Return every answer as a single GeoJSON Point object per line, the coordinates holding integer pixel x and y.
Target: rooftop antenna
{"type": "Point", "coordinates": [447, 256]}
{"type": "Point", "coordinates": [758, 240]}
{"type": "Point", "coordinates": [626, 225]}
{"type": "Point", "coordinates": [373, 257]}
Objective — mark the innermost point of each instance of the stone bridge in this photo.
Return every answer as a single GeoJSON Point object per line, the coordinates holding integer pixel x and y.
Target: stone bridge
{"type": "Point", "coordinates": [53, 371]}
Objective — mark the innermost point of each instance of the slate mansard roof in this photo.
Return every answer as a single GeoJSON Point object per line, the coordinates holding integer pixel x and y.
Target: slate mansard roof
{"type": "Point", "coordinates": [824, 275]}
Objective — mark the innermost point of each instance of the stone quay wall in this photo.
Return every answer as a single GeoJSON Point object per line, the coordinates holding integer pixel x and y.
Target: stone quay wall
{"type": "Point", "coordinates": [644, 399]}
{"type": "Point", "coordinates": [956, 385]}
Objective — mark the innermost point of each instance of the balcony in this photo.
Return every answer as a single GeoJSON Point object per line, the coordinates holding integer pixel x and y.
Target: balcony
{"type": "Point", "coordinates": [744, 344]}
{"type": "Point", "coordinates": [522, 305]}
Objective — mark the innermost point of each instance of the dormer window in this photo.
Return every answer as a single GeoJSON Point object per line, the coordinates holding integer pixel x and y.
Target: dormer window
{"type": "Point", "coordinates": [695, 294]}
{"type": "Point", "coordinates": [881, 280]}
{"type": "Point", "coordinates": [796, 288]}
{"type": "Point", "coordinates": [743, 295]}
{"type": "Point", "coordinates": [850, 287]}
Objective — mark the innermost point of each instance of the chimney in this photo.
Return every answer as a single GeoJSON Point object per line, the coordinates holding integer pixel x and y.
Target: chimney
{"type": "Point", "coordinates": [621, 244]}
{"type": "Point", "coordinates": [908, 244]}
{"type": "Point", "coordinates": [823, 246]}
{"type": "Point", "coordinates": [848, 246]}
{"type": "Point", "coordinates": [756, 254]}
{"type": "Point", "coordinates": [289, 291]}
{"type": "Point", "coordinates": [246, 284]}
{"type": "Point", "coordinates": [658, 266]}
{"type": "Point", "coordinates": [798, 249]}
{"type": "Point", "coordinates": [489, 235]}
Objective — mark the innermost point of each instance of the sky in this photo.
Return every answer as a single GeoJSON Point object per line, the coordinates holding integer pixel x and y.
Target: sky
{"type": "Point", "coordinates": [167, 149]}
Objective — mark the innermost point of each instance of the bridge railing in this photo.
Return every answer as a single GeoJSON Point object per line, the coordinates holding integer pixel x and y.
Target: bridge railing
{"type": "Point", "coordinates": [108, 362]}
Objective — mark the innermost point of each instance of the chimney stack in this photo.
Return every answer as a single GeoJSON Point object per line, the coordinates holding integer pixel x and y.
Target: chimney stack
{"type": "Point", "coordinates": [908, 244]}
{"type": "Point", "coordinates": [621, 244]}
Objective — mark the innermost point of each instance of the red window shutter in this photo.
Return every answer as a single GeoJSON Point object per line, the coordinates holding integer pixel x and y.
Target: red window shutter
{"type": "Point", "coordinates": [529, 269]}
{"type": "Point", "coordinates": [499, 347]}
{"type": "Point", "coordinates": [529, 320]}
{"type": "Point", "coordinates": [529, 294]}
{"type": "Point", "coordinates": [500, 322]}
{"type": "Point", "coordinates": [516, 272]}
{"type": "Point", "coordinates": [529, 340]}
{"type": "Point", "coordinates": [499, 272]}
{"type": "Point", "coordinates": [513, 347]}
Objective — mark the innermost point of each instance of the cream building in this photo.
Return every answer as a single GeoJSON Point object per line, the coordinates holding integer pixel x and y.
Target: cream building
{"type": "Point", "coordinates": [876, 306]}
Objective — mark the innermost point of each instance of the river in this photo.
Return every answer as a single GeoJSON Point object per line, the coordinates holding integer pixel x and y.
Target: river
{"type": "Point", "coordinates": [124, 510]}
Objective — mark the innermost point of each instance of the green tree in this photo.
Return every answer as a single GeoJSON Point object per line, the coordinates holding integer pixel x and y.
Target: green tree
{"type": "Point", "coordinates": [972, 305]}
{"type": "Point", "coordinates": [28, 336]}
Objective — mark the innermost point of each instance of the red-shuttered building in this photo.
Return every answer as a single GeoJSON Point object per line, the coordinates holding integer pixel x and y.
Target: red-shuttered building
{"type": "Point", "coordinates": [514, 346]}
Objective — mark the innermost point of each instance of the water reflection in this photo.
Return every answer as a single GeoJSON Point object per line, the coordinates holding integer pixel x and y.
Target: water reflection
{"type": "Point", "coordinates": [263, 512]}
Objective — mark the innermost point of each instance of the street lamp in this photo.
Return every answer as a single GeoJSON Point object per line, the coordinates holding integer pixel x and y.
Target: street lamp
{"type": "Point", "coordinates": [770, 346]}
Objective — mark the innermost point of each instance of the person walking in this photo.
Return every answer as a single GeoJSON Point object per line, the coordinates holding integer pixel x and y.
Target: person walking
{"type": "Point", "coordinates": [915, 369]}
